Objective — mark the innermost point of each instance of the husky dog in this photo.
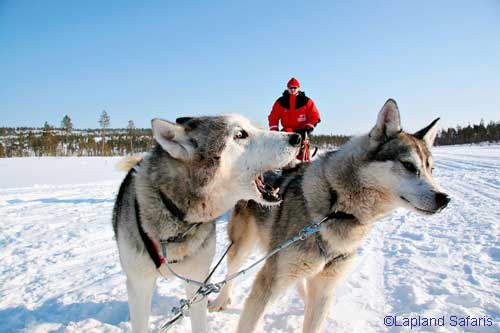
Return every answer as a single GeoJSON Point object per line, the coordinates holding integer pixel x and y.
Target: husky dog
{"type": "Point", "coordinates": [198, 170]}
{"type": "Point", "coordinates": [367, 178]}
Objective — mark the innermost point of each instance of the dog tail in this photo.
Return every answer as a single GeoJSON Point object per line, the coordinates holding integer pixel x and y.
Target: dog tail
{"type": "Point", "coordinates": [128, 163]}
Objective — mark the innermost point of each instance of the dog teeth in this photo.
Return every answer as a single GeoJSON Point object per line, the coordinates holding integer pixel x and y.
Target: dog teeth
{"type": "Point", "coordinates": [275, 191]}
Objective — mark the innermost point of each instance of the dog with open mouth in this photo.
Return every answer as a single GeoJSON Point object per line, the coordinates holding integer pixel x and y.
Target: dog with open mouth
{"type": "Point", "coordinates": [198, 169]}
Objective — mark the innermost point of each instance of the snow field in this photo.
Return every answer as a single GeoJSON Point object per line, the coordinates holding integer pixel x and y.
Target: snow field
{"type": "Point", "coordinates": [60, 270]}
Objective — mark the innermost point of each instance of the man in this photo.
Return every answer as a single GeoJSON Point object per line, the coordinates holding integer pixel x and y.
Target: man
{"type": "Point", "coordinates": [297, 113]}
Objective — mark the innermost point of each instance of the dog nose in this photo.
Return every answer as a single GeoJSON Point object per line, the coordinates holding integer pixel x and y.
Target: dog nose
{"type": "Point", "coordinates": [442, 199]}
{"type": "Point", "coordinates": [295, 140]}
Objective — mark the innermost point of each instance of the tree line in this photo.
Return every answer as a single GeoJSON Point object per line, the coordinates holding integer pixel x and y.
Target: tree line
{"type": "Point", "coordinates": [328, 141]}
{"type": "Point", "coordinates": [67, 141]}
{"type": "Point", "coordinates": [471, 134]}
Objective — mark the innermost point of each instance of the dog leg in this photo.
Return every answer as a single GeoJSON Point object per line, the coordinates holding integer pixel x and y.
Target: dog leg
{"type": "Point", "coordinates": [197, 268]}
{"type": "Point", "coordinates": [140, 291]}
{"type": "Point", "coordinates": [242, 234]}
{"type": "Point", "coordinates": [320, 290]}
{"type": "Point", "coordinates": [268, 285]}
{"type": "Point", "coordinates": [198, 311]}
{"type": "Point", "coordinates": [302, 289]}
{"type": "Point", "coordinates": [319, 299]}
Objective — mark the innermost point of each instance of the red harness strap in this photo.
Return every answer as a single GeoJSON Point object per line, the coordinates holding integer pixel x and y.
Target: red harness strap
{"type": "Point", "coordinates": [157, 249]}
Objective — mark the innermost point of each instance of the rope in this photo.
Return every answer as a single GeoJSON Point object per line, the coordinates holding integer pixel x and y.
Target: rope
{"type": "Point", "coordinates": [206, 289]}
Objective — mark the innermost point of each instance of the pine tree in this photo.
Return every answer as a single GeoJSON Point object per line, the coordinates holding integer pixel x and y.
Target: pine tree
{"type": "Point", "coordinates": [67, 126]}
{"type": "Point", "coordinates": [92, 146]}
{"type": "Point", "coordinates": [104, 123]}
{"type": "Point", "coordinates": [46, 139]}
{"type": "Point", "coordinates": [21, 143]}
{"type": "Point", "coordinates": [82, 146]}
{"type": "Point", "coordinates": [131, 133]}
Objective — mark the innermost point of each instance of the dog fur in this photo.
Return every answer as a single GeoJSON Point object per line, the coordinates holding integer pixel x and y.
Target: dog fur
{"type": "Point", "coordinates": [368, 177]}
{"type": "Point", "coordinates": [204, 165]}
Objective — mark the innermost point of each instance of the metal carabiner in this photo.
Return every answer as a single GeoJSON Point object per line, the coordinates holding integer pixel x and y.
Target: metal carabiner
{"type": "Point", "coordinates": [178, 312]}
{"type": "Point", "coordinates": [172, 322]}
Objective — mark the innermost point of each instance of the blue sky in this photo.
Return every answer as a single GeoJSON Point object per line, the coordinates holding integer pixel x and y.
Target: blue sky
{"type": "Point", "coordinates": [140, 60]}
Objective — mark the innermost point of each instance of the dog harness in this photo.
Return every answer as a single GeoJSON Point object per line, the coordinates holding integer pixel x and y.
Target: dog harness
{"type": "Point", "coordinates": [152, 248]}
{"type": "Point", "coordinates": [335, 215]}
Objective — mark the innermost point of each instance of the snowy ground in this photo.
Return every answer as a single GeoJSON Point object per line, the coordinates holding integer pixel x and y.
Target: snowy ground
{"type": "Point", "coordinates": [60, 272]}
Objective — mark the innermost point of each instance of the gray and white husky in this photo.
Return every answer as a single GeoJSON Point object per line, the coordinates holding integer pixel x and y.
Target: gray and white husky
{"type": "Point", "coordinates": [366, 179]}
{"type": "Point", "coordinates": [198, 170]}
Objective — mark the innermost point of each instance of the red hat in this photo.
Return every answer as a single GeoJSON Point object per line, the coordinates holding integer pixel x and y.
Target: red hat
{"type": "Point", "coordinates": [293, 83]}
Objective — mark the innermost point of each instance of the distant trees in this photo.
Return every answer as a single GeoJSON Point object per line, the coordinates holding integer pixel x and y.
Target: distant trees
{"type": "Point", "coordinates": [67, 141]}
{"type": "Point", "coordinates": [470, 134]}
{"type": "Point", "coordinates": [328, 141]}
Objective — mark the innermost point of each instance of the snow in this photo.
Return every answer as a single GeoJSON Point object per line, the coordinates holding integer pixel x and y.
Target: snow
{"type": "Point", "coordinates": [60, 270]}
{"type": "Point", "coordinates": [35, 171]}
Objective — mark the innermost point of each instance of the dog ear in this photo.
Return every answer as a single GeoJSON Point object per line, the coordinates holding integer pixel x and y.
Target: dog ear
{"type": "Point", "coordinates": [173, 139]}
{"type": "Point", "coordinates": [388, 122]}
{"type": "Point", "coordinates": [190, 123]}
{"type": "Point", "coordinates": [183, 120]}
{"type": "Point", "coordinates": [428, 134]}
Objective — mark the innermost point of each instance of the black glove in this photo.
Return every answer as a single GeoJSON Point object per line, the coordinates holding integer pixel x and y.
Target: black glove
{"type": "Point", "coordinates": [303, 131]}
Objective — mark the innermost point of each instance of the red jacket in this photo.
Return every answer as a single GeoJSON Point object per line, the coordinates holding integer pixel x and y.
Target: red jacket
{"type": "Point", "coordinates": [294, 111]}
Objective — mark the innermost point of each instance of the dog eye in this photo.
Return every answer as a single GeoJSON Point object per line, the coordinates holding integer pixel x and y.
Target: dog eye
{"type": "Point", "coordinates": [241, 135]}
{"type": "Point", "coordinates": [410, 167]}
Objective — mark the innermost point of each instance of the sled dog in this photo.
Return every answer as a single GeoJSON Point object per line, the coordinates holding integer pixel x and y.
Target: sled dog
{"type": "Point", "coordinates": [199, 168]}
{"type": "Point", "coordinates": [361, 182]}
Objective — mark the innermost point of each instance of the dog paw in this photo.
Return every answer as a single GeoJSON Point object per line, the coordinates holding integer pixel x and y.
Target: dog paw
{"type": "Point", "coordinates": [219, 304]}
